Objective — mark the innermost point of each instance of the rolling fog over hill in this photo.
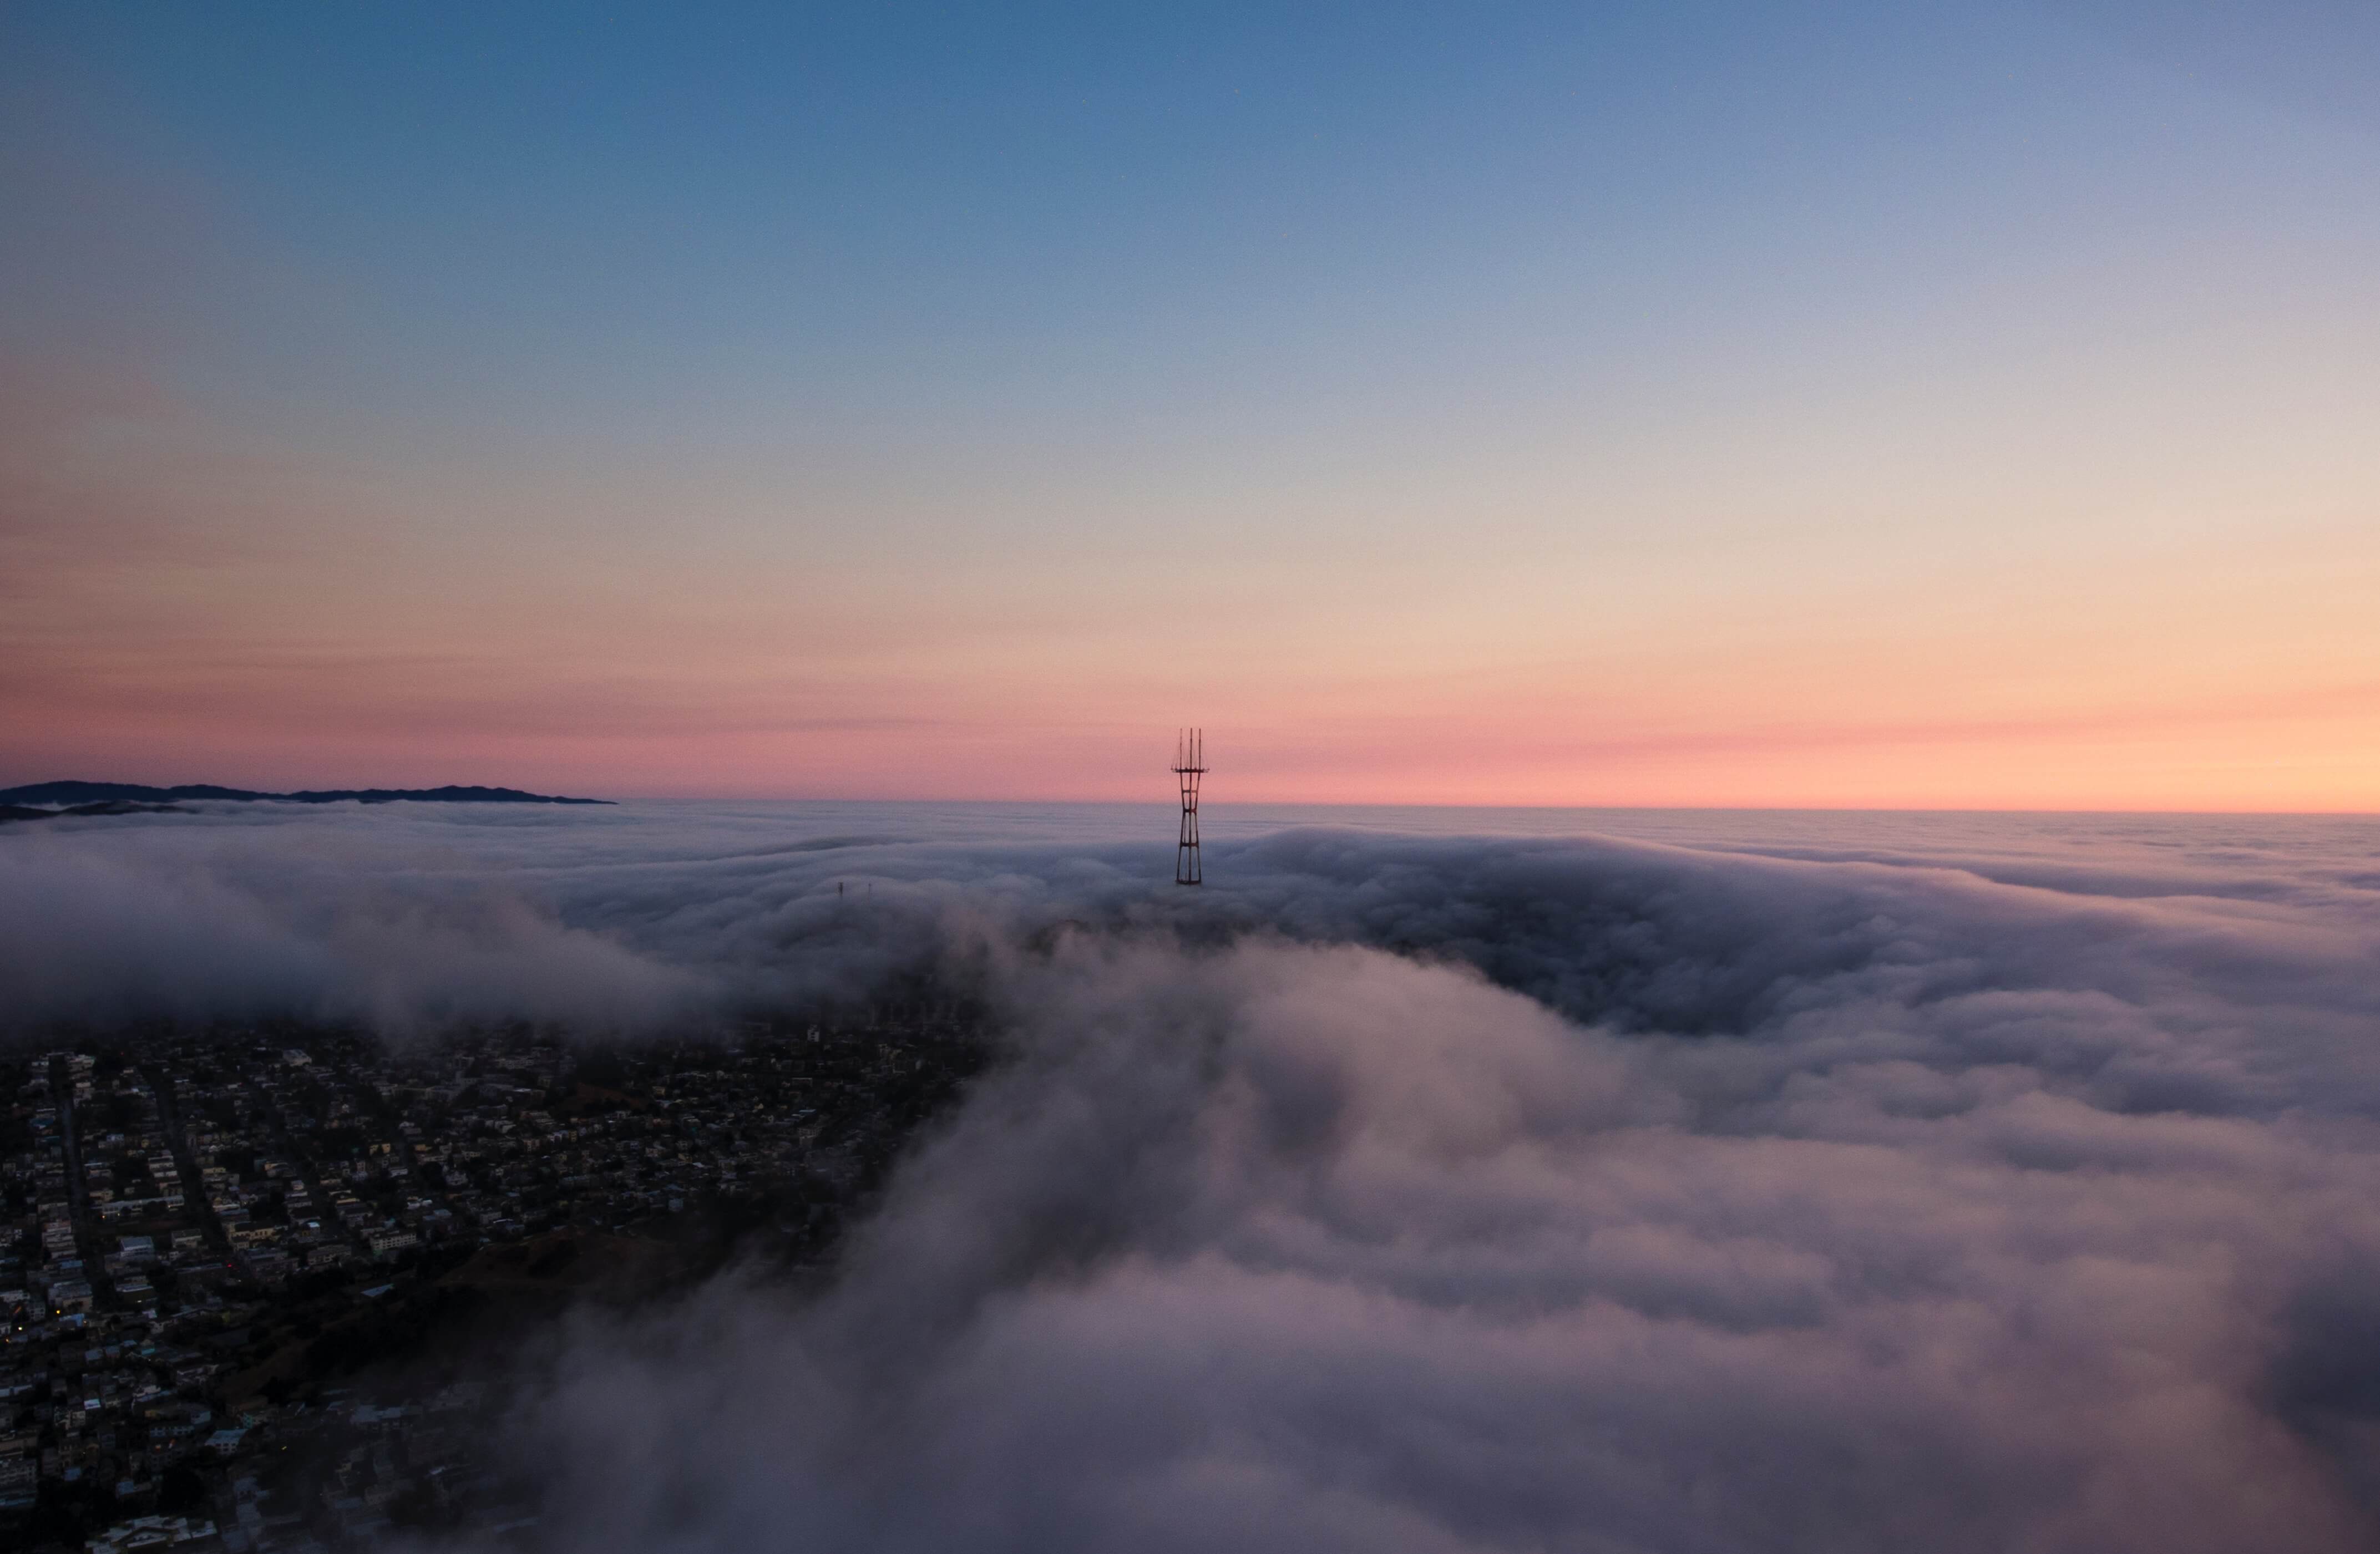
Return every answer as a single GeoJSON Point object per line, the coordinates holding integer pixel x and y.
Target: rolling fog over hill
{"type": "Point", "coordinates": [1986, 1181]}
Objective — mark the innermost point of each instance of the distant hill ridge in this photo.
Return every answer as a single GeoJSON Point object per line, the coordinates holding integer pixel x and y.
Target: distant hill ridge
{"type": "Point", "coordinates": [138, 793]}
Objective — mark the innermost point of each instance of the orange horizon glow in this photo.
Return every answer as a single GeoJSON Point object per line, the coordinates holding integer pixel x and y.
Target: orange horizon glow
{"type": "Point", "coordinates": [154, 647]}
{"type": "Point", "coordinates": [186, 629]}
{"type": "Point", "coordinates": [231, 651]}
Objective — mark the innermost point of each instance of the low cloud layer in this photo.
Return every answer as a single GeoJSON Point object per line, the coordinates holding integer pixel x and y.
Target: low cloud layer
{"type": "Point", "coordinates": [1430, 1192]}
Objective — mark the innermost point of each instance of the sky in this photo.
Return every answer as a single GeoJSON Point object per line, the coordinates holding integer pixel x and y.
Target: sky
{"type": "Point", "coordinates": [1834, 405]}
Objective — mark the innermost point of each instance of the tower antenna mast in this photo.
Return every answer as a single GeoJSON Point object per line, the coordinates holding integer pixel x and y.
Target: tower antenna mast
{"type": "Point", "coordinates": [1189, 764]}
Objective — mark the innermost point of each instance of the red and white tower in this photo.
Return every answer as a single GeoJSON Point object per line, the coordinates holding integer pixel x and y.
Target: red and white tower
{"type": "Point", "coordinates": [1189, 764]}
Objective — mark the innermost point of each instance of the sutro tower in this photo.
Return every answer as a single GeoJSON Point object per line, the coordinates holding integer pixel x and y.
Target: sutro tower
{"type": "Point", "coordinates": [1189, 764]}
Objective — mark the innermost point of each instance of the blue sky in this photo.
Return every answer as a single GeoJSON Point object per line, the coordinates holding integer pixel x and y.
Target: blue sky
{"type": "Point", "coordinates": [1418, 313]}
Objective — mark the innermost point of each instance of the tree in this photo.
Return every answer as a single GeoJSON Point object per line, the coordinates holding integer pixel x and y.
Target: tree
{"type": "Point", "coordinates": [180, 1489]}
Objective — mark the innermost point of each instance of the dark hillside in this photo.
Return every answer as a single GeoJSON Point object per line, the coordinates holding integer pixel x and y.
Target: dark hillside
{"type": "Point", "coordinates": [56, 793]}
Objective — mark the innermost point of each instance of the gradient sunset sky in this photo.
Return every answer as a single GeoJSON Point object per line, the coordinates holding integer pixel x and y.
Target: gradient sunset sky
{"type": "Point", "coordinates": [1848, 404]}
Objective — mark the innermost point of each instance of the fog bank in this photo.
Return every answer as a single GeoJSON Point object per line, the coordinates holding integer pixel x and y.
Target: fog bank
{"type": "Point", "coordinates": [1426, 1192]}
